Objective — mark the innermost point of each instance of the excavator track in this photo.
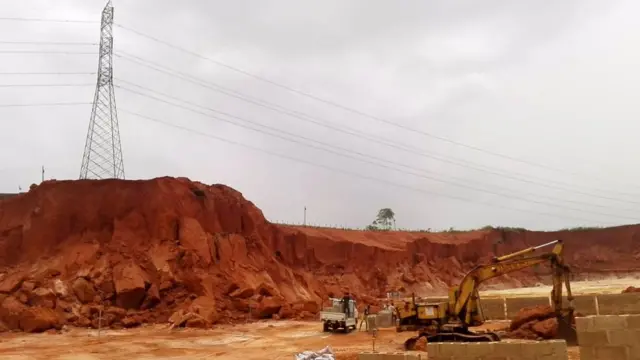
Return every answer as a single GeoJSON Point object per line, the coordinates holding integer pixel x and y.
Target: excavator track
{"type": "Point", "coordinates": [453, 336]}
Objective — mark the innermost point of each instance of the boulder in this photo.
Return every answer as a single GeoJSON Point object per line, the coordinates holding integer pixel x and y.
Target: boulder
{"type": "Point", "coordinates": [175, 318]}
{"type": "Point", "coordinates": [130, 321]}
{"type": "Point", "coordinates": [308, 306]}
{"type": "Point", "coordinates": [10, 312]}
{"type": "Point", "coordinates": [129, 280]}
{"type": "Point", "coordinates": [104, 285]}
{"type": "Point", "coordinates": [204, 307]}
{"type": "Point", "coordinates": [28, 286]}
{"type": "Point", "coordinates": [11, 283]}
{"type": "Point", "coordinates": [83, 290]}
{"type": "Point", "coordinates": [243, 293]}
{"type": "Point", "coordinates": [38, 319]}
{"type": "Point", "coordinates": [43, 297]}
{"type": "Point", "coordinates": [152, 298]}
{"type": "Point", "coordinates": [269, 306]}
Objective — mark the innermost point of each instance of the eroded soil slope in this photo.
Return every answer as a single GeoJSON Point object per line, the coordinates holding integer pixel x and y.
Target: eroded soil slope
{"type": "Point", "coordinates": [137, 251]}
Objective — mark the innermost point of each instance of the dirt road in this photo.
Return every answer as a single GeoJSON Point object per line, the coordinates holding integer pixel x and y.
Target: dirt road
{"type": "Point", "coordinates": [272, 340]}
{"type": "Point", "coordinates": [268, 339]}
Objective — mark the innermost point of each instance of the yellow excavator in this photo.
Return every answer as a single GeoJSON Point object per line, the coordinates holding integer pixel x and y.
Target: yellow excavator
{"type": "Point", "coordinates": [449, 321]}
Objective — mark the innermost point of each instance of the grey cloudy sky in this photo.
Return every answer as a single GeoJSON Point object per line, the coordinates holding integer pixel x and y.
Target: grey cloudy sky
{"type": "Point", "coordinates": [550, 83]}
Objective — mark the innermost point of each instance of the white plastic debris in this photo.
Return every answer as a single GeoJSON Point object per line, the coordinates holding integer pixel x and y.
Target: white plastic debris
{"type": "Point", "coordinates": [324, 354]}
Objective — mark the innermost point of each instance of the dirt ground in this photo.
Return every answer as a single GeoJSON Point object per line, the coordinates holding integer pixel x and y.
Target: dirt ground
{"type": "Point", "coordinates": [268, 339]}
{"type": "Point", "coordinates": [272, 340]}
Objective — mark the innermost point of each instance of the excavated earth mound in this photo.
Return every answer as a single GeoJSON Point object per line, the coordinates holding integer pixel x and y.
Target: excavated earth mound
{"type": "Point", "coordinates": [535, 322]}
{"type": "Point", "coordinates": [122, 253]}
{"type": "Point", "coordinates": [631, 289]}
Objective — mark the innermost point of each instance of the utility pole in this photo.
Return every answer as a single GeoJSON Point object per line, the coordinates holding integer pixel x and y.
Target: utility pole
{"type": "Point", "coordinates": [102, 158]}
{"type": "Point", "coordinates": [42, 173]}
{"type": "Point", "coordinates": [305, 216]}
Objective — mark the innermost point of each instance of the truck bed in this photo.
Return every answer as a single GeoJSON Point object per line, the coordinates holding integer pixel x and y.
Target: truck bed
{"type": "Point", "coordinates": [332, 316]}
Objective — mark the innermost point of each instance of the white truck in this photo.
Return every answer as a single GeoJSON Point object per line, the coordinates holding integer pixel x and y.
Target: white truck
{"type": "Point", "coordinates": [339, 317]}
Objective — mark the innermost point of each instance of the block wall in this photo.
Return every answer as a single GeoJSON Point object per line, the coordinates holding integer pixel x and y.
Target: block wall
{"type": "Point", "coordinates": [617, 304]}
{"type": "Point", "coordinates": [384, 319]}
{"type": "Point", "coordinates": [584, 304]}
{"type": "Point", "coordinates": [392, 356]}
{"type": "Point", "coordinates": [542, 350]}
{"type": "Point", "coordinates": [493, 309]}
{"type": "Point", "coordinates": [609, 337]}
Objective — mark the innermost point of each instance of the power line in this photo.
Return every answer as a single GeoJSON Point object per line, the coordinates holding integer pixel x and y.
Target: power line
{"type": "Point", "coordinates": [353, 173]}
{"type": "Point", "coordinates": [347, 108]}
{"type": "Point", "coordinates": [48, 20]}
{"type": "Point", "coordinates": [343, 149]}
{"type": "Point", "coordinates": [47, 73]}
{"type": "Point", "coordinates": [46, 52]}
{"type": "Point", "coordinates": [49, 43]}
{"type": "Point", "coordinates": [354, 132]}
{"type": "Point", "coordinates": [45, 104]}
{"type": "Point", "coordinates": [44, 85]}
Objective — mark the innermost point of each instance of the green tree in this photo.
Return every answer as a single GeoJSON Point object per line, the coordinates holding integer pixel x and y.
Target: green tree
{"type": "Point", "coordinates": [385, 220]}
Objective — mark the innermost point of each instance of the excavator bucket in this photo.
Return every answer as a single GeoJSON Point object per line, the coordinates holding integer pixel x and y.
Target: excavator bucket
{"type": "Point", "coordinates": [410, 344]}
{"type": "Point", "coordinates": [567, 330]}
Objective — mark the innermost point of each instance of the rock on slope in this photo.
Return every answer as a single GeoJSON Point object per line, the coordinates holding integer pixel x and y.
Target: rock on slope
{"type": "Point", "coordinates": [128, 252]}
{"type": "Point", "coordinates": [139, 250]}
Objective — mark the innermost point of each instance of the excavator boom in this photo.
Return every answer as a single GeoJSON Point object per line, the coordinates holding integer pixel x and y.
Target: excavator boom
{"type": "Point", "coordinates": [463, 308]}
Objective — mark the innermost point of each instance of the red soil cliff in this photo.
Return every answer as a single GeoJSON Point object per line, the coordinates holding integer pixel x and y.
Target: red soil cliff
{"type": "Point", "coordinates": [128, 252]}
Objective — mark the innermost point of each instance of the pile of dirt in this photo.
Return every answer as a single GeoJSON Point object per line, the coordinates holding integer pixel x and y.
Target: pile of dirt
{"type": "Point", "coordinates": [631, 289]}
{"type": "Point", "coordinates": [122, 253]}
{"type": "Point", "coordinates": [534, 323]}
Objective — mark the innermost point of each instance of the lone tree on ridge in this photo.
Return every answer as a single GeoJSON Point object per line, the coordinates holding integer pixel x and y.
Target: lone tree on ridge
{"type": "Point", "coordinates": [385, 220]}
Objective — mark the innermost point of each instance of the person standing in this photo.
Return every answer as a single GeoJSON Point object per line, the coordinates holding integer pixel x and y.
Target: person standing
{"type": "Point", "coordinates": [364, 319]}
{"type": "Point", "coordinates": [393, 314]}
{"type": "Point", "coordinates": [345, 303]}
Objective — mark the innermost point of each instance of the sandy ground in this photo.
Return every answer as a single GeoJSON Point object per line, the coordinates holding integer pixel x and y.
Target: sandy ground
{"type": "Point", "coordinates": [271, 340]}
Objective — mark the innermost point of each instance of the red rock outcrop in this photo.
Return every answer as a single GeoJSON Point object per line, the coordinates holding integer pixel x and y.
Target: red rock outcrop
{"type": "Point", "coordinates": [120, 253]}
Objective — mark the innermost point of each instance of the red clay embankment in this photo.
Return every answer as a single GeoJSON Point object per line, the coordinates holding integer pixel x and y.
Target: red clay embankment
{"type": "Point", "coordinates": [142, 250]}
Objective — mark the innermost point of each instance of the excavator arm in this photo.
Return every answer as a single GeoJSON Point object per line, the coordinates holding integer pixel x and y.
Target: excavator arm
{"type": "Point", "coordinates": [463, 308]}
{"type": "Point", "coordinates": [467, 291]}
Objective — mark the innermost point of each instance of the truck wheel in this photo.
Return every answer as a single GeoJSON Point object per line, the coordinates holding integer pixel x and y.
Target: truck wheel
{"type": "Point", "coordinates": [325, 327]}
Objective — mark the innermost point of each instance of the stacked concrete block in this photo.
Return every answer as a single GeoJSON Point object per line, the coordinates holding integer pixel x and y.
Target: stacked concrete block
{"type": "Point", "coordinates": [609, 337]}
{"type": "Point", "coordinates": [584, 304]}
{"type": "Point", "coordinates": [493, 309]}
{"type": "Point", "coordinates": [385, 319]}
{"type": "Point", "coordinates": [534, 350]}
{"type": "Point", "coordinates": [392, 356]}
{"type": "Point", "coordinates": [616, 304]}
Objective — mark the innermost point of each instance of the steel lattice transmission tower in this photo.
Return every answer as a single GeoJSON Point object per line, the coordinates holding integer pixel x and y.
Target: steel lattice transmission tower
{"type": "Point", "coordinates": [102, 157]}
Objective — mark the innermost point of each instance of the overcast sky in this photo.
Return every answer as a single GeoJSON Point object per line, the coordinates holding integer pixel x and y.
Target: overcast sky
{"type": "Point", "coordinates": [549, 85]}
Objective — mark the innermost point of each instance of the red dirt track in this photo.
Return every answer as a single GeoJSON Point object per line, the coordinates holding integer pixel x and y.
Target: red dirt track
{"type": "Point", "coordinates": [132, 252]}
